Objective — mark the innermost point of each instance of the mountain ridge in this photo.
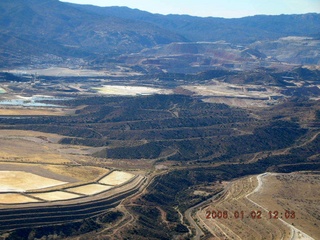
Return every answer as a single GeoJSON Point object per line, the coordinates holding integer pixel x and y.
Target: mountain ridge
{"type": "Point", "coordinates": [53, 31]}
{"type": "Point", "coordinates": [174, 21]}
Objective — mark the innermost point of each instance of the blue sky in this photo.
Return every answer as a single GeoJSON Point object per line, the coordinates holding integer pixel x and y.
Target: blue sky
{"type": "Point", "coordinates": [214, 8]}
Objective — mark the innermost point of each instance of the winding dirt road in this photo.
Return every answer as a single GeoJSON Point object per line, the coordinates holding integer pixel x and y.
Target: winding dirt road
{"type": "Point", "coordinates": [296, 234]}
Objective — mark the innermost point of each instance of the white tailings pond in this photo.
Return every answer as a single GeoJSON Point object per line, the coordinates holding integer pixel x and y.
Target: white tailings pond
{"type": "Point", "coordinates": [131, 90]}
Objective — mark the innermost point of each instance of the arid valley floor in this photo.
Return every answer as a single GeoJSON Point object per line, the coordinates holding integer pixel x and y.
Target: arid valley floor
{"type": "Point", "coordinates": [99, 156]}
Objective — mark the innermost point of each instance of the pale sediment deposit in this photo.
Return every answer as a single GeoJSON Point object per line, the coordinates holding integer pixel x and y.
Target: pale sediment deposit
{"type": "Point", "coordinates": [14, 198]}
{"type": "Point", "coordinates": [116, 178]}
{"type": "Point", "coordinates": [55, 196]}
{"type": "Point", "coordinates": [131, 90]}
{"type": "Point", "coordinates": [89, 189]}
{"type": "Point", "coordinates": [18, 181]}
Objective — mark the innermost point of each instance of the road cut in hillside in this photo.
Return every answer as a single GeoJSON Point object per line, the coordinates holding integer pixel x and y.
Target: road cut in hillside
{"type": "Point", "coordinates": [264, 207]}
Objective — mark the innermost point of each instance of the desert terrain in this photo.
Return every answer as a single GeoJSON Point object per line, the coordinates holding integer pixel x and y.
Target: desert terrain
{"type": "Point", "coordinates": [117, 123]}
{"type": "Point", "coordinates": [96, 144]}
{"type": "Point", "coordinates": [266, 206]}
{"type": "Point", "coordinates": [35, 170]}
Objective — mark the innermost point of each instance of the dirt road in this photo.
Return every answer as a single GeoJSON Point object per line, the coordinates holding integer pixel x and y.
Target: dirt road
{"type": "Point", "coordinates": [296, 233]}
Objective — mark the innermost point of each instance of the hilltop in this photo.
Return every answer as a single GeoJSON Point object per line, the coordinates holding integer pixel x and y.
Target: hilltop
{"type": "Point", "coordinates": [53, 32]}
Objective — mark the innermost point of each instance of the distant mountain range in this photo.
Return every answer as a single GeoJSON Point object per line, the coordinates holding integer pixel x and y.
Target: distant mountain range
{"type": "Point", "coordinates": [49, 31]}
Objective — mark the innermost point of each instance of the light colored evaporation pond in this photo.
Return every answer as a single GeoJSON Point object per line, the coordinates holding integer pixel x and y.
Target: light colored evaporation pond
{"type": "Point", "coordinates": [131, 90]}
{"type": "Point", "coordinates": [34, 101]}
{"type": "Point", "coordinates": [90, 189]}
{"type": "Point", "coordinates": [55, 196]}
{"type": "Point", "coordinates": [116, 178]}
{"type": "Point", "coordinates": [58, 71]}
{"type": "Point", "coordinates": [18, 181]}
{"type": "Point", "coordinates": [14, 198]}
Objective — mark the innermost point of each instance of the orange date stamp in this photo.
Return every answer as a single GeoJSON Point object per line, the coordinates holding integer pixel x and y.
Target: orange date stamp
{"type": "Point", "coordinates": [254, 214]}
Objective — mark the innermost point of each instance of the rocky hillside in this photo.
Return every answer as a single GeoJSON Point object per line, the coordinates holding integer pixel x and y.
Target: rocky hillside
{"type": "Point", "coordinates": [53, 32]}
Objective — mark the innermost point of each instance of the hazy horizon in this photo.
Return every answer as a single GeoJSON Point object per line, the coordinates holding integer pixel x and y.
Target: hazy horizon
{"type": "Point", "coordinates": [214, 8]}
